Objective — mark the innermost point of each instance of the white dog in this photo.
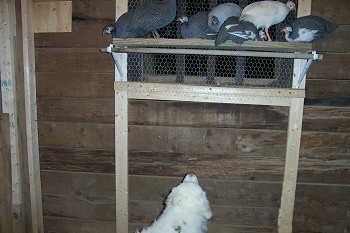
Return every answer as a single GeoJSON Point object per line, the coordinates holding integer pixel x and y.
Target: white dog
{"type": "Point", "coordinates": [186, 210]}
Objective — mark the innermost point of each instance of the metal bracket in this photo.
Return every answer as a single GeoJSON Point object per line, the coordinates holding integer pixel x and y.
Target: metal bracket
{"type": "Point", "coordinates": [109, 49]}
{"type": "Point", "coordinates": [316, 57]}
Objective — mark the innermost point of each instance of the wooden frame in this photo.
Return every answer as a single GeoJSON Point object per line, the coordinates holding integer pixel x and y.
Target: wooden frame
{"type": "Point", "coordinates": [18, 91]}
{"type": "Point", "coordinates": [293, 98]}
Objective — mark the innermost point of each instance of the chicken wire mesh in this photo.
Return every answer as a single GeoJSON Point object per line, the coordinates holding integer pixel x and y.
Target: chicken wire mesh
{"type": "Point", "coordinates": [210, 69]}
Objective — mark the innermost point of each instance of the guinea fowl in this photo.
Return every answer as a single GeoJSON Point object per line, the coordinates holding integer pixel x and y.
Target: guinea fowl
{"type": "Point", "coordinates": [237, 31]}
{"type": "Point", "coordinates": [264, 14]}
{"type": "Point", "coordinates": [196, 26]}
{"type": "Point", "coordinates": [151, 16]}
{"type": "Point", "coordinates": [308, 28]}
{"type": "Point", "coordinates": [218, 15]}
{"type": "Point", "coordinates": [119, 29]}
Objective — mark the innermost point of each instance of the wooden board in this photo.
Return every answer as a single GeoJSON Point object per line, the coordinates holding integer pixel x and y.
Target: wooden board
{"type": "Point", "coordinates": [165, 113]}
{"type": "Point", "coordinates": [5, 175]}
{"type": "Point", "coordinates": [80, 192]}
{"type": "Point", "coordinates": [334, 66]}
{"type": "Point", "coordinates": [52, 16]}
{"type": "Point", "coordinates": [73, 60]}
{"type": "Point", "coordinates": [247, 167]}
{"type": "Point", "coordinates": [92, 31]}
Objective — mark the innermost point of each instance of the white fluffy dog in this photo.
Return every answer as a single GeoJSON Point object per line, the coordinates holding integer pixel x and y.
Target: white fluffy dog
{"type": "Point", "coordinates": [186, 210]}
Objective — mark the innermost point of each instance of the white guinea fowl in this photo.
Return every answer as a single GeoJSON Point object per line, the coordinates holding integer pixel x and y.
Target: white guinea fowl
{"type": "Point", "coordinates": [264, 14]}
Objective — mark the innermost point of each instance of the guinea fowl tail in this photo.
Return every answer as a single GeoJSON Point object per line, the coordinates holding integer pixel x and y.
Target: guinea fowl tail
{"type": "Point", "coordinates": [220, 38]}
{"type": "Point", "coordinates": [331, 27]}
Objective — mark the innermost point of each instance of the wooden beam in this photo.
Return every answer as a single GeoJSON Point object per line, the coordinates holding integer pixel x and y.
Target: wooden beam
{"type": "Point", "coordinates": [178, 92]}
{"type": "Point", "coordinates": [285, 218]}
{"type": "Point", "coordinates": [121, 161]}
{"type": "Point", "coordinates": [200, 43]}
{"type": "Point", "coordinates": [31, 117]}
{"type": "Point", "coordinates": [5, 175]}
{"type": "Point", "coordinates": [9, 98]}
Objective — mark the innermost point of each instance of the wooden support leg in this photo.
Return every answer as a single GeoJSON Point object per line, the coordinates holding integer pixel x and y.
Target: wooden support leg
{"type": "Point", "coordinates": [121, 161]}
{"type": "Point", "coordinates": [285, 218]}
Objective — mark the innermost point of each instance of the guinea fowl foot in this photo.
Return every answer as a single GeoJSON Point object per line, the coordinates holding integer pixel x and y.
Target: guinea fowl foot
{"type": "Point", "coordinates": [155, 34]}
{"type": "Point", "coordinates": [267, 34]}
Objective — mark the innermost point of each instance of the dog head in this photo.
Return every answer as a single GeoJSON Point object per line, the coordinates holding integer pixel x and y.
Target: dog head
{"type": "Point", "coordinates": [189, 195]}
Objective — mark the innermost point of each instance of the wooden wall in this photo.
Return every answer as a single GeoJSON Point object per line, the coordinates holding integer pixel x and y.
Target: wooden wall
{"type": "Point", "coordinates": [237, 151]}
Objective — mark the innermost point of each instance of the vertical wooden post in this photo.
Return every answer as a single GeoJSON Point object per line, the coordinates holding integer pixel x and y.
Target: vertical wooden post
{"type": "Point", "coordinates": [31, 117]}
{"type": "Point", "coordinates": [121, 140]}
{"type": "Point", "coordinates": [5, 175]}
{"type": "Point", "coordinates": [285, 218]}
{"type": "Point", "coordinates": [9, 98]}
{"type": "Point", "coordinates": [121, 161]}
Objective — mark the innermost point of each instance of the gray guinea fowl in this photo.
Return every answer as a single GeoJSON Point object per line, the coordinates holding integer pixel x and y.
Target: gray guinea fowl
{"type": "Point", "coordinates": [237, 31]}
{"type": "Point", "coordinates": [195, 26]}
{"type": "Point", "coordinates": [151, 16]}
{"type": "Point", "coordinates": [308, 28]}
{"type": "Point", "coordinates": [119, 29]}
{"type": "Point", "coordinates": [218, 15]}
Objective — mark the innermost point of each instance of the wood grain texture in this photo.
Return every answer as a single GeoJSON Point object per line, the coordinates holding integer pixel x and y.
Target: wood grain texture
{"type": "Point", "coordinates": [84, 34]}
{"type": "Point", "coordinates": [80, 192]}
{"type": "Point", "coordinates": [75, 85]}
{"type": "Point", "coordinates": [224, 166]}
{"type": "Point", "coordinates": [73, 60]}
{"type": "Point", "coordinates": [5, 175]}
{"type": "Point", "coordinates": [336, 42]}
{"type": "Point", "coordinates": [170, 113]}
{"type": "Point", "coordinates": [323, 88]}
{"type": "Point", "coordinates": [334, 66]}
{"type": "Point", "coordinates": [337, 14]}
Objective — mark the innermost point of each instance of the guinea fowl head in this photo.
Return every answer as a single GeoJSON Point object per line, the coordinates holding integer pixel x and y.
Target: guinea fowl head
{"type": "Point", "coordinates": [291, 6]}
{"type": "Point", "coordinates": [108, 29]}
{"type": "Point", "coordinates": [215, 20]}
{"type": "Point", "coordinates": [183, 19]}
{"type": "Point", "coordinates": [286, 30]}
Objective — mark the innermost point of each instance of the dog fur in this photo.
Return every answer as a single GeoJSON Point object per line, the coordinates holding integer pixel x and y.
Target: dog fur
{"type": "Point", "coordinates": [186, 210]}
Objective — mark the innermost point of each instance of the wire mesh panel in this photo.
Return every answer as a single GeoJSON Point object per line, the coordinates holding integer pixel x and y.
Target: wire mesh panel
{"type": "Point", "coordinates": [210, 69]}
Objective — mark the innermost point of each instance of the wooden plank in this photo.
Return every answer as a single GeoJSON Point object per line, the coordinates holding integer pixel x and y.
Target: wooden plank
{"type": "Point", "coordinates": [247, 167]}
{"type": "Point", "coordinates": [66, 225]}
{"type": "Point", "coordinates": [121, 161]}
{"type": "Point", "coordinates": [31, 137]}
{"type": "Point", "coordinates": [79, 192]}
{"type": "Point", "coordinates": [200, 43]}
{"type": "Point", "coordinates": [142, 112]}
{"type": "Point", "coordinates": [321, 88]}
{"type": "Point", "coordinates": [336, 42]}
{"type": "Point", "coordinates": [220, 191]}
{"type": "Point", "coordinates": [5, 175]}
{"type": "Point", "coordinates": [338, 14]}
{"type": "Point", "coordinates": [333, 66]}
{"type": "Point", "coordinates": [75, 85]}
{"type": "Point", "coordinates": [195, 140]}
{"type": "Point", "coordinates": [279, 97]}
{"type": "Point", "coordinates": [10, 96]}
{"type": "Point", "coordinates": [92, 31]}
{"type": "Point", "coordinates": [285, 217]}
{"type": "Point", "coordinates": [73, 60]}
{"type": "Point", "coordinates": [52, 16]}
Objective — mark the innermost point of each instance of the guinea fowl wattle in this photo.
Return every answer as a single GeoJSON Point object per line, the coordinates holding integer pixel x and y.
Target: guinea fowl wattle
{"type": "Point", "coordinates": [308, 29]}
{"type": "Point", "coordinates": [264, 14]}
